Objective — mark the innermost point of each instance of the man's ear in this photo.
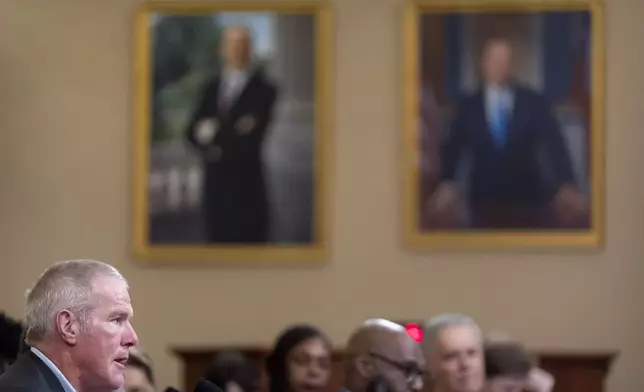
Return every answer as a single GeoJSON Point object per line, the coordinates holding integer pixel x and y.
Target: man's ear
{"type": "Point", "coordinates": [68, 327]}
{"type": "Point", "coordinates": [364, 366]}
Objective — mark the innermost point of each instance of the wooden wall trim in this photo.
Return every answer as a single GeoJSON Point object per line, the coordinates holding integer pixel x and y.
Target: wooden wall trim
{"type": "Point", "coordinates": [574, 370]}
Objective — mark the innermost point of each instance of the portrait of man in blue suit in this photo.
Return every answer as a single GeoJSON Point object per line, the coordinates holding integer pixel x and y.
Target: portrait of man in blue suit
{"type": "Point", "coordinates": [505, 161]}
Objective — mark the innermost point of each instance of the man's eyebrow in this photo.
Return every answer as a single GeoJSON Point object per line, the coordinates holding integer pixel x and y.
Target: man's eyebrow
{"type": "Point", "coordinates": [122, 313]}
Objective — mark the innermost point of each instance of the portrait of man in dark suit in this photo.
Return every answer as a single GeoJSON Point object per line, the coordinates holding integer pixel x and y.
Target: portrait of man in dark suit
{"type": "Point", "coordinates": [232, 136]}
{"type": "Point", "coordinates": [227, 132]}
{"type": "Point", "coordinates": [505, 158]}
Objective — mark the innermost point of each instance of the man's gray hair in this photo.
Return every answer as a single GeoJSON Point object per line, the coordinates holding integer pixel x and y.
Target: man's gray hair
{"type": "Point", "coordinates": [66, 285]}
{"type": "Point", "coordinates": [435, 325]}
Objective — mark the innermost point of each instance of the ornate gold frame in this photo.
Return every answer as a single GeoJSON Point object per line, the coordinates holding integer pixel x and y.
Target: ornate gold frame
{"type": "Point", "coordinates": [441, 240]}
{"type": "Point", "coordinates": [314, 252]}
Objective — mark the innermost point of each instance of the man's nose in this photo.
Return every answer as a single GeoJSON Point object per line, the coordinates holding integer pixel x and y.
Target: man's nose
{"type": "Point", "coordinates": [463, 363]}
{"type": "Point", "coordinates": [130, 338]}
{"type": "Point", "coordinates": [417, 384]}
{"type": "Point", "coordinates": [315, 370]}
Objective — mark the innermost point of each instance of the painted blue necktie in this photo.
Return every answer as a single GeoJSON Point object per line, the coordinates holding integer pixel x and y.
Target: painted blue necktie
{"type": "Point", "coordinates": [500, 123]}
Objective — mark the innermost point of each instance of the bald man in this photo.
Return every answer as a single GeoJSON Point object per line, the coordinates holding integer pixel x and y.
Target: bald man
{"type": "Point", "coordinates": [382, 357]}
{"type": "Point", "coordinates": [227, 131]}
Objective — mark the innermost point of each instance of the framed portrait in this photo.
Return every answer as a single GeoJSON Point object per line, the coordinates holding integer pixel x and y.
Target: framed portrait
{"type": "Point", "coordinates": [231, 131]}
{"type": "Point", "coordinates": [503, 124]}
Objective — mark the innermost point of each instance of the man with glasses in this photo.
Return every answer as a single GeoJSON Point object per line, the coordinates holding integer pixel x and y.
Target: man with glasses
{"type": "Point", "coordinates": [382, 357]}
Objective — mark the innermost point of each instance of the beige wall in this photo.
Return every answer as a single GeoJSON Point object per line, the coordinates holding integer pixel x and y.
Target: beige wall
{"type": "Point", "coordinates": [64, 168]}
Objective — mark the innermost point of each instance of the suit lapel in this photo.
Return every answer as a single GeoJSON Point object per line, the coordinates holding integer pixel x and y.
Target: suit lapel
{"type": "Point", "coordinates": [232, 107]}
{"type": "Point", "coordinates": [52, 382]}
{"type": "Point", "coordinates": [32, 374]}
{"type": "Point", "coordinates": [216, 99]}
{"type": "Point", "coordinates": [243, 95]}
{"type": "Point", "coordinates": [518, 106]}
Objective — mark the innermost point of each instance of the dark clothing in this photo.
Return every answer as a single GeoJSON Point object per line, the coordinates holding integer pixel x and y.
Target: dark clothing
{"type": "Point", "coordinates": [235, 199]}
{"type": "Point", "coordinates": [29, 374]}
{"type": "Point", "coordinates": [521, 176]}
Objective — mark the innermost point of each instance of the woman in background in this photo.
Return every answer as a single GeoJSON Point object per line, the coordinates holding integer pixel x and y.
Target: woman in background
{"type": "Point", "coordinates": [300, 361]}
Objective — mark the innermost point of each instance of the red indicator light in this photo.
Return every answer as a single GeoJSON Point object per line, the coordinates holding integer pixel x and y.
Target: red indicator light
{"type": "Point", "coordinates": [414, 331]}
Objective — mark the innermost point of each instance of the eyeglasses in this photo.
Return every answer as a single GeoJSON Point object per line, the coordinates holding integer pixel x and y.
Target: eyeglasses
{"type": "Point", "coordinates": [410, 369]}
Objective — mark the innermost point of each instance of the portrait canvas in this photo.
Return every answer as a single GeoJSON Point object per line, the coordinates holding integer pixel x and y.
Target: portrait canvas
{"type": "Point", "coordinates": [505, 126]}
{"type": "Point", "coordinates": [231, 145]}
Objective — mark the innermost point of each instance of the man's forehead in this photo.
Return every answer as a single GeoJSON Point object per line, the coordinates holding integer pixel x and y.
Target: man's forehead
{"type": "Point", "coordinates": [408, 350]}
{"type": "Point", "coordinates": [118, 308]}
{"type": "Point", "coordinates": [458, 336]}
{"type": "Point", "coordinates": [108, 288]}
{"type": "Point", "coordinates": [238, 33]}
{"type": "Point", "coordinates": [498, 47]}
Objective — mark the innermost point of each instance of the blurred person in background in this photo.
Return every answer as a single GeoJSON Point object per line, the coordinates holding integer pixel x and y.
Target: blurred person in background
{"type": "Point", "coordinates": [521, 174]}
{"type": "Point", "coordinates": [453, 347]}
{"type": "Point", "coordinates": [300, 361]}
{"type": "Point", "coordinates": [227, 131]}
{"type": "Point", "coordinates": [382, 357]}
{"type": "Point", "coordinates": [232, 372]}
{"type": "Point", "coordinates": [509, 367]}
{"type": "Point", "coordinates": [11, 333]}
{"type": "Point", "coordinates": [139, 373]}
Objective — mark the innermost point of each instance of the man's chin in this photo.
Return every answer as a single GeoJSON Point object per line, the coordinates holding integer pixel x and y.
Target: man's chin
{"type": "Point", "coordinates": [469, 386]}
{"type": "Point", "coordinates": [117, 382]}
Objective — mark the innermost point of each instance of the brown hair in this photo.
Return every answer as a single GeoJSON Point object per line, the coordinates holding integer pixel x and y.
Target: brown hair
{"type": "Point", "coordinates": [507, 359]}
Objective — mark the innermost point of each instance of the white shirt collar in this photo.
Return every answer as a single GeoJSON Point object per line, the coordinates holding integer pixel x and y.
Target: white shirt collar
{"type": "Point", "coordinates": [236, 75]}
{"type": "Point", "coordinates": [495, 94]}
{"type": "Point", "coordinates": [67, 386]}
{"type": "Point", "coordinates": [497, 87]}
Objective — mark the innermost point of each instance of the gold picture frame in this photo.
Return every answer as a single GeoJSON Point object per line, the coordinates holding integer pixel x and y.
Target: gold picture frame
{"type": "Point", "coordinates": [313, 248]}
{"type": "Point", "coordinates": [418, 237]}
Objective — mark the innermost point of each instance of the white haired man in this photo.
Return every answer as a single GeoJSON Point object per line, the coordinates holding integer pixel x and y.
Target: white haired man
{"type": "Point", "coordinates": [78, 329]}
{"type": "Point", "coordinates": [453, 348]}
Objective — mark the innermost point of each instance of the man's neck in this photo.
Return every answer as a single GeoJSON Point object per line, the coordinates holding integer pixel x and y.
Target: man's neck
{"type": "Point", "coordinates": [61, 358]}
{"type": "Point", "coordinates": [497, 86]}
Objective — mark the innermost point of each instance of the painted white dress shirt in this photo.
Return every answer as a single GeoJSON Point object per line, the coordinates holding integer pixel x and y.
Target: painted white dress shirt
{"type": "Point", "coordinates": [232, 84]}
{"type": "Point", "coordinates": [496, 96]}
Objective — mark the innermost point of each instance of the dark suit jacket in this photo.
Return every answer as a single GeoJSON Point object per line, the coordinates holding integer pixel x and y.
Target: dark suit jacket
{"type": "Point", "coordinates": [528, 170]}
{"type": "Point", "coordinates": [29, 374]}
{"type": "Point", "coordinates": [234, 194]}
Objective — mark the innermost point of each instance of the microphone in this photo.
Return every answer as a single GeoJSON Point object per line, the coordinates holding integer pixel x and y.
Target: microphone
{"type": "Point", "coordinates": [204, 385]}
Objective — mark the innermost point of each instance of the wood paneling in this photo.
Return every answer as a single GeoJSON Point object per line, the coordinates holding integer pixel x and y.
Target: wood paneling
{"type": "Point", "coordinates": [573, 371]}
